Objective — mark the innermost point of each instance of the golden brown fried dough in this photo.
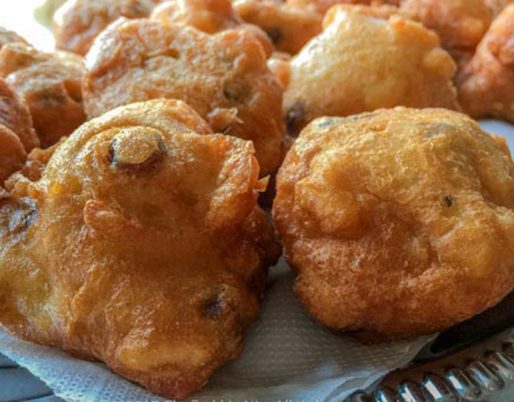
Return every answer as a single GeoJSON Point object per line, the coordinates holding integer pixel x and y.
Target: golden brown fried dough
{"type": "Point", "coordinates": [496, 6]}
{"type": "Point", "coordinates": [15, 115]}
{"type": "Point", "coordinates": [78, 22]}
{"type": "Point", "coordinates": [383, 11]}
{"type": "Point", "coordinates": [486, 83]}
{"type": "Point", "coordinates": [50, 84]}
{"type": "Point", "coordinates": [322, 6]}
{"type": "Point", "coordinates": [361, 63]}
{"type": "Point", "coordinates": [289, 28]}
{"type": "Point", "coordinates": [460, 24]}
{"type": "Point", "coordinates": [12, 154]}
{"type": "Point", "coordinates": [7, 36]}
{"type": "Point", "coordinates": [17, 136]}
{"type": "Point", "coordinates": [223, 77]}
{"type": "Point", "coordinates": [398, 222]}
{"type": "Point", "coordinates": [141, 246]}
{"type": "Point", "coordinates": [209, 16]}
{"type": "Point", "coordinates": [32, 169]}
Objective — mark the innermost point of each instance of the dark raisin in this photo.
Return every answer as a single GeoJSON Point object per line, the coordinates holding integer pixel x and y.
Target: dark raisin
{"type": "Point", "coordinates": [129, 157]}
{"type": "Point", "coordinates": [275, 34]}
{"type": "Point", "coordinates": [448, 200]}
{"type": "Point", "coordinates": [213, 308]}
{"type": "Point", "coordinates": [236, 92]}
{"type": "Point", "coordinates": [295, 117]}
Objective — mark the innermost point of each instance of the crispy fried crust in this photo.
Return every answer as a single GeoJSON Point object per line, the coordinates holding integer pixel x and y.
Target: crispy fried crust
{"type": "Point", "coordinates": [361, 63]}
{"type": "Point", "coordinates": [496, 6]}
{"type": "Point", "coordinates": [383, 11]}
{"type": "Point", "coordinates": [398, 222]}
{"type": "Point", "coordinates": [486, 83]}
{"type": "Point", "coordinates": [209, 16]}
{"type": "Point", "coordinates": [322, 6]}
{"type": "Point", "coordinates": [78, 22]}
{"type": "Point", "coordinates": [223, 77]}
{"type": "Point", "coordinates": [50, 84]}
{"type": "Point", "coordinates": [290, 28]}
{"type": "Point", "coordinates": [15, 115]}
{"type": "Point", "coordinates": [460, 24]}
{"type": "Point", "coordinates": [141, 245]}
{"type": "Point", "coordinates": [12, 153]}
{"type": "Point", "coordinates": [7, 36]}
{"type": "Point", "coordinates": [17, 136]}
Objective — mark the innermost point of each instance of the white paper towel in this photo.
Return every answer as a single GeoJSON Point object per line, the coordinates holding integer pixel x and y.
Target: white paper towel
{"type": "Point", "coordinates": [287, 357]}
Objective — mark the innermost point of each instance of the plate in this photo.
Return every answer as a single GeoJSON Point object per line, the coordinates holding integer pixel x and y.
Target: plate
{"type": "Point", "coordinates": [472, 362]}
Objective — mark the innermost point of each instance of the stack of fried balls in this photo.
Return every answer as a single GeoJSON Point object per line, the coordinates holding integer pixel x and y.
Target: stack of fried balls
{"type": "Point", "coordinates": [155, 164]}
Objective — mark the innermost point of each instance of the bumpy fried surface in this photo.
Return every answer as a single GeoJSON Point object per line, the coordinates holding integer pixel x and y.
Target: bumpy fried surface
{"type": "Point", "coordinates": [379, 213]}
{"type": "Point", "coordinates": [361, 63]}
{"type": "Point", "coordinates": [223, 77]}
{"type": "Point", "coordinates": [12, 154]}
{"type": "Point", "coordinates": [50, 84]}
{"type": "Point", "coordinates": [78, 22]}
{"type": "Point", "coordinates": [17, 136]}
{"type": "Point", "coordinates": [15, 115]}
{"type": "Point", "coordinates": [460, 24]}
{"type": "Point", "coordinates": [209, 16]}
{"type": "Point", "coordinates": [7, 36]}
{"type": "Point", "coordinates": [290, 28]}
{"type": "Point", "coordinates": [141, 245]}
{"type": "Point", "coordinates": [486, 83]}
{"type": "Point", "coordinates": [322, 6]}
{"type": "Point", "coordinates": [383, 11]}
{"type": "Point", "coordinates": [496, 6]}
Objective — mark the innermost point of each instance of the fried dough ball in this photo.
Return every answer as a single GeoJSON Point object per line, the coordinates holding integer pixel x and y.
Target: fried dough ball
{"type": "Point", "coordinates": [486, 83]}
{"type": "Point", "coordinates": [209, 16]}
{"type": "Point", "coordinates": [289, 28]}
{"type": "Point", "coordinates": [141, 246]}
{"type": "Point", "coordinates": [222, 76]}
{"type": "Point", "coordinates": [17, 136]}
{"type": "Point", "coordinates": [379, 213]}
{"type": "Point", "coordinates": [78, 22]}
{"type": "Point", "coordinates": [361, 63]}
{"type": "Point", "coordinates": [50, 84]}
{"type": "Point", "coordinates": [460, 24]}
{"type": "Point", "coordinates": [7, 36]}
